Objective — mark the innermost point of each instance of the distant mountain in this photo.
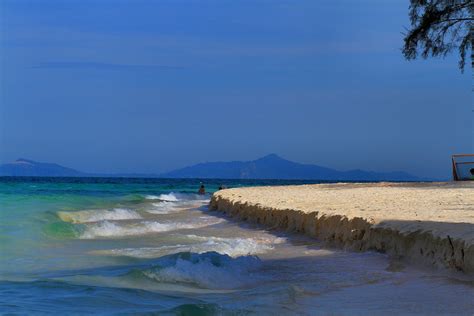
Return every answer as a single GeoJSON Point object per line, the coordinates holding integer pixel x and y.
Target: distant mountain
{"type": "Point", "coordinates": [25, 167]}
{"type": "Point", "coordinates": [268, 167]}
{"type": "Point", "coordinates": [274, 167]}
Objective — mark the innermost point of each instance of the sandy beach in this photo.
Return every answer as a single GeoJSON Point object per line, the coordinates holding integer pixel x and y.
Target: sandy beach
{"type": "Point", "coordinates": [424, 223]}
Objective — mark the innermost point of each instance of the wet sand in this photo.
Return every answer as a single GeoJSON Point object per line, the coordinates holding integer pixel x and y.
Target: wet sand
{"type": "Point", "coordinates": [427, 223]}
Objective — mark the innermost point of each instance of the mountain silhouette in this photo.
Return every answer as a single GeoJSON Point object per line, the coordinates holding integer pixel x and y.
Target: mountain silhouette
{"type": "Point", "coordinates": [268, 167]}
{"type": "Point", "coordinates": [274, 167]}
{"type": "Point", "coordinates": [26, 167]}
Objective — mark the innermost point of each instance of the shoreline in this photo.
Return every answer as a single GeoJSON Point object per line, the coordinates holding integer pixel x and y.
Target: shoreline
{"type": "Point", "coordinates": [427, 223]}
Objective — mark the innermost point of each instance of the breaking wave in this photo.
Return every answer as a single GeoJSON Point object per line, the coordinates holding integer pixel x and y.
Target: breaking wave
{"type": "Point", "coordinates": [109, 229]}
{"type": "Point", "coordinates": [177, 197]}
{"type": "Point", "coordinates": [209, 270]}
{"type": "Point", "coordinates": [232, 247]}
{"type": "Point", "coordinates": [170, 197]}
{"type": "Point", "coordinates": [89, 216]}
{"type": "Point", "coordinates": [163, 207]}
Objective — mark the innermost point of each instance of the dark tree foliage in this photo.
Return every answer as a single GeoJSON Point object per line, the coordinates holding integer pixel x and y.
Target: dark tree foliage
{"type": "Point", "coordinates": [439, 27]}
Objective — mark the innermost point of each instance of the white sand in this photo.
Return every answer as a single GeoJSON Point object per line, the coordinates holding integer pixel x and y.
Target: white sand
{"type": "Point", "coordinates": [431, 223]}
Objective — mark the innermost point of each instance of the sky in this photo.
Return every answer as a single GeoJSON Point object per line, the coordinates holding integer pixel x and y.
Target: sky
{"type": "Point", "coordinates": [150, 86]}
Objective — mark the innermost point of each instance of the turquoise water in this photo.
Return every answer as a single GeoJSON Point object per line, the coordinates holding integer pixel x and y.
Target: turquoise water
{"type": "Point", "coordinates": [139, 246]}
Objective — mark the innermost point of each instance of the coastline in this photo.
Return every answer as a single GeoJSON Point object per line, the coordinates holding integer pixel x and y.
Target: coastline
{"type": "Point", "coordinates": [427, 223]}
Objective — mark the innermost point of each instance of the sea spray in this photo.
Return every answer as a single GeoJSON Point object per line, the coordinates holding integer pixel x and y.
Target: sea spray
{"type": "Point", "coordinates": [164, 207]}
{"type": "Point", "coordinates": [209, 270]}
{"type": "Point", "coordinates": [170, 197]}
{"type": "Point", "coordinates": [232, 247]}
{"type": "Point", "coordinates": [109, 229]}
{"type": "Point", "coordinates": [89, 216]}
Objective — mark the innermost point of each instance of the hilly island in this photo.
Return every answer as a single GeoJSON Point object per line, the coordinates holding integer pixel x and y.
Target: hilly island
{"type": "Point", "coordinates": [268, 167]}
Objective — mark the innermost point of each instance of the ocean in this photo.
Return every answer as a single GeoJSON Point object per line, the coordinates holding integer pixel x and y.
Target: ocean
{"type": "Point", "coordinates": [151, 246]}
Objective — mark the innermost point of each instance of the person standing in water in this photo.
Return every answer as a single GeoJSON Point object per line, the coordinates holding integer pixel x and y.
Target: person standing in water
{"type": "Point", "coordinates": [202, 190]}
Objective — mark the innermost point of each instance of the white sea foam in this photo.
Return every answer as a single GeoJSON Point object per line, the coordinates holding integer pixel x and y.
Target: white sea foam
{"type": "Point", "coordinates": [233, 247]}
{"type": "Point", "coordinates": [167, 207]}
{"type": "Point", "coordinates": [116, 230]}
{"type": "Point", "coordinates": [178, 197]}
{"type": "Point", "coordinates": [152, 197]}
{"type": "Point", "coordinates": [164, 207]}
{"type": "Point", "coordinates": [207, 270]}
{"type": "Point", "coordinates": [110, 229]}
{"type": "Point", "coordinates": [170, 197]}
{"type": "Point", "coordinates": [88, 216]}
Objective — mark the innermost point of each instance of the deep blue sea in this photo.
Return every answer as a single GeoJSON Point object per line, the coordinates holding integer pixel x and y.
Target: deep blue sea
{"type": "Point", "coordinates": [151, 246]}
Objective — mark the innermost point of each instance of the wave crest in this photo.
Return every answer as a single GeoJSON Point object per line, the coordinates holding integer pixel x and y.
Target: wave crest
{"type": "Point", "coordinates": [89, 216]}
{"type": "Point", "coordinates": [170, 197]}
{"type": "Point", "coordinates": [209, 270]}
{"type": "Point", "coordinates": [115, 230]}
{"type": "Point", "coordinates": [163, 207]}
{"type": "Point", "coordinates": [233, 247]}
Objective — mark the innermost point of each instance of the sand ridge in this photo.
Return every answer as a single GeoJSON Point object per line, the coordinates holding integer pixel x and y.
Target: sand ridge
{"type": "Point", "coordinates": [428, 222]}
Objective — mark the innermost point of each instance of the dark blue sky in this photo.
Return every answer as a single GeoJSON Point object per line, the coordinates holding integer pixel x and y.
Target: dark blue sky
{"type": "Point", "coordinates": [148, 86]}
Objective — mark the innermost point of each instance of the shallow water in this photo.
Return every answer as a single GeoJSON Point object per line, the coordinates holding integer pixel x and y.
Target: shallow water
{"type": "Point", "coordinates": [111, 246]}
